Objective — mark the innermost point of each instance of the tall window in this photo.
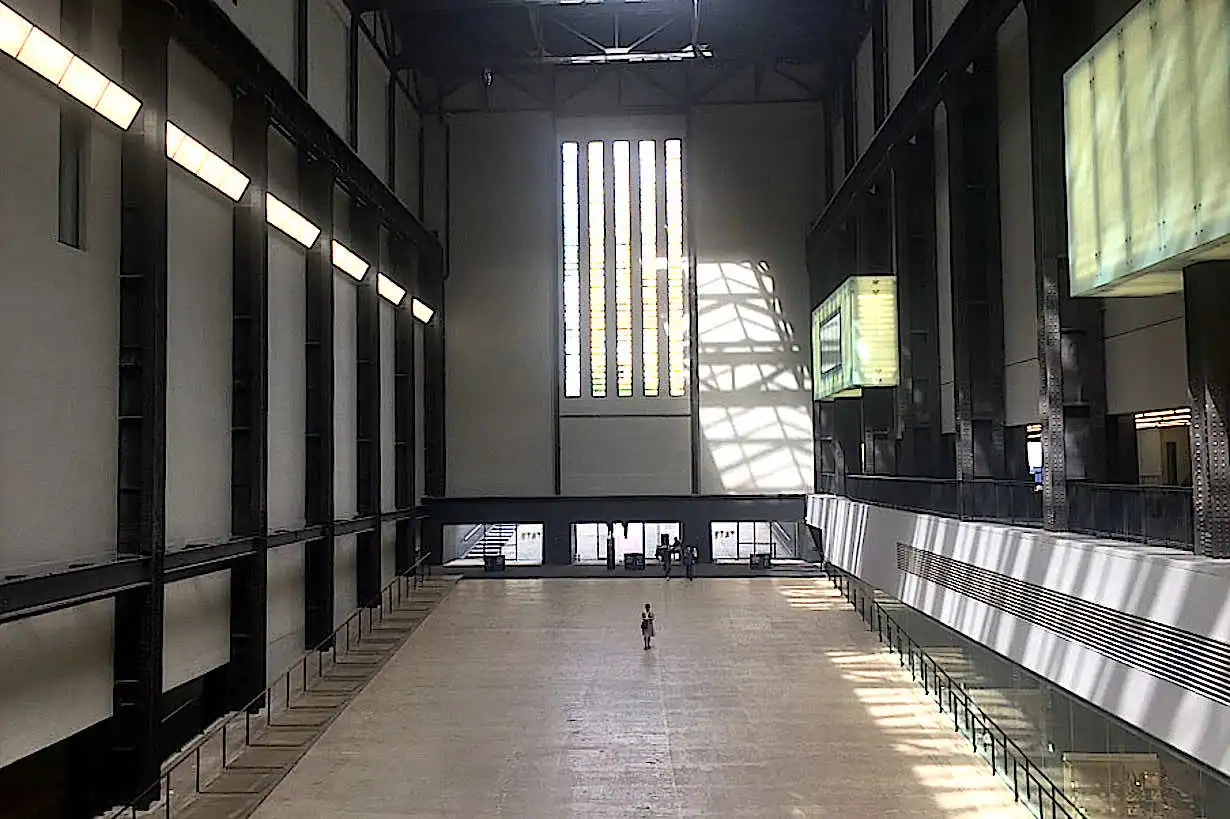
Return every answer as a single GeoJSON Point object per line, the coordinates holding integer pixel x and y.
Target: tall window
{"type": "Point", "coordinates": [633, 211]}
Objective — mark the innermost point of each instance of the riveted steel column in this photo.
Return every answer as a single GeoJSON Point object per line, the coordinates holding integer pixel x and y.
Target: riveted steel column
{"type": "Point", "coordinates": [918, 396]}
{"type": "Point", "coordinates": [431, 284]}
{"type": "Point", "coordinates": [316, 188]}
{"type": "Point", "coordinates": [1072, 389]}
{"type": "Point", "coordinates": [138, 649]}
{"type": "Point", "coordinates": [977, 287]}
{"type": "Point", "coordinates": [1206, 291]}
{"type": "Point", "coordinates": [250, 404]}
{"type": "Point", "coordinates": [365, 232]}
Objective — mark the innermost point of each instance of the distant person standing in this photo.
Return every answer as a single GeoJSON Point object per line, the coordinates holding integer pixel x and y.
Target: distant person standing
{"type": "Point", "coordinates": [689, 561]}
{"type": "Point", "coordinates": [647, 627]}
{"type": "Point", "coordinates": [666, 554]}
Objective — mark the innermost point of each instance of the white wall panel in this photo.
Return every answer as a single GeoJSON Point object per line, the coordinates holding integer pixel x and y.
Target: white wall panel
{"type": "Point", "coordinates": [1146, 354]}
{"type": "Point", "coordinates": [199, 254]}
{"type": "Point", "coordinates": [388, 405]}
{"type": "Point", "coordinates": [345, 578]}
{"type": "Point", "coordinates": [943, 12]}
{"type": "Point", "coordinates": [345, 397]}
{"type": "Point", "coordinates": [1016, 205]}
{"type": "Point", "coordinates": [285, 608]}
{"type": "Point", "coordinates": [328, 36]}
{"type": "Point", "coordinates": [900, 50]}
{"type": "Point", "coordinates": [197, 632]}
{"type": "Point", "coordinates": [57, 676]}
{"type": "Point", "coordinates": [864, 96]}
{"type": "Point", "coordinates": [756, 183]}
{"type": "Point", "coordinates": [943, 271]}
{"type": "Point", "coordinates": [373, 109]}
{"type": "Point", "coordinates": [269, 24]}
{"type": "Point", "coordinates": [59, 311]}
{"type": "Point", "coordinates": [1161, 585]}
{"type": "Point", "coordinates": [287, 358]}
{"type": "Point", "coordinates": [500, 294]}
{"type": "Point", "coordinates": [652, 457]}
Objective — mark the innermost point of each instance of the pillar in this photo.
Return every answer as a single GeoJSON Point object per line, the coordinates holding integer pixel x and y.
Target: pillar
{"type": "Point", "coordinates": [1206, 293]}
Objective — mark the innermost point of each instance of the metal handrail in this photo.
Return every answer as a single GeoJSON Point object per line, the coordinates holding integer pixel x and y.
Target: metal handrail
{"type": "Point", "coordinates": [1006, 756]}
{"type": "Point", "coordinates": [416, 573]}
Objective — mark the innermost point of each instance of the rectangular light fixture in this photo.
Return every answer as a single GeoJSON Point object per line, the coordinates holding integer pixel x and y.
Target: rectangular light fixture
{"type": "Point", "coordinates": [389, 289]}
{"type": "Point", "coordinates": [421, 311]}
{"type": "Point", "coordinates": [286, 219]}
{"type": "Point", "coordinates": [45, 56]}
{"type": "Point", "coordinates": [195, 158]}
{"type": "Point", "coordinates": [347, 262]}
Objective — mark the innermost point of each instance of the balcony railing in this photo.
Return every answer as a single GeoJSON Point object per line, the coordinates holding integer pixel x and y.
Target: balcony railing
{"type": "Point", "coordinates": [1159, 515]}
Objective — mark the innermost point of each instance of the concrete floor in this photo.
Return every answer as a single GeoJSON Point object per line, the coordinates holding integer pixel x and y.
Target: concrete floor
{"type": "Point", "coordinates": [762, 697]}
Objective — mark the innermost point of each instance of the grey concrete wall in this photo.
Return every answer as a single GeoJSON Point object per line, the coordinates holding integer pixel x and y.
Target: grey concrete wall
{"type": "Point", "coordinates": [285, 608]}
{"type": "Point", "coordinates": [406, 179]}
{"type": "Point", "coordinates": [57, 677]}
{"type": "Point", "coordinates": [757, 181]}
{"type": "Point", "coordinates": [1146, 354]}
{"type": "Point", "coordinates": [420, 439]}
{"type": "Point", "coordinates": [269, 24]}
{"type": "Point", "coordinates": [864, 95]}
{"type": "Point", "coordinates": [649, 455]}
{"type": "Point", "coordinates": [900, 50]}
{"type": "Point", "coordinates": [1016, 205]}
{"type": "Point", "coordinates": [58, 325]}
{"type": "Point", "coordinates": [199, 253]}
{"type": "Point", "coordinates": [345, 397]}
{"type": "Point", "coordinates": [943, 12]}
{"type": "Point", "coordinates": [503, 274]}
{"type": "Point", "coordinates": [196, 628]}
{"type": "Point", "coordinates": [345, 578]}
{"type": "Point", "coordinates": [373, 109]}
{"type": "Point", "coordinates": [328, 27]}
{"type": "Point", "coordinates": [388, 404]}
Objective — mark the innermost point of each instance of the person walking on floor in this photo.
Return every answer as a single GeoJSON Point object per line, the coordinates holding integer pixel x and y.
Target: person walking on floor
{"type": "Point", "coordinates": [647, 627]}
{"type": "Point", "coordinates": [666, 554]}
{"type": "Point", "coordinates": [689, 561]}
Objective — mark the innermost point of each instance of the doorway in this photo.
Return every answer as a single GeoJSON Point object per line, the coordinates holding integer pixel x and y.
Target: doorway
{"type": "Point", "coordinates": [468, 544]}
{"type": "Point", "coordinates": [589, 539]}
{"type": "Point", "coordinates": [736, 541]}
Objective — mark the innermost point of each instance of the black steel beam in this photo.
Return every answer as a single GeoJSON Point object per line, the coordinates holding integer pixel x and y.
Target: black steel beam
{"type": "Point", "coordinates": [250, 403]}
{"type": "Point", "coordinates": [316, 189]}
{"type": "Point", "coordinates": [975, 26]}
{"type": "Point", "coordinates": [404, 411]}
{"type": "Point", "coordinates": [365, 233]}
{"type": "Point", "coordinates": [977, 280]}
{"type": "Point", "coordinates": [135, 759]}
{"type": "Point", "coordinates": [1072, 392]}
{"type": "Point", "coordinates": [215, 39]}
{"type": "Point", "coordinates": [1207, 299]}
{"type": "Point", "coordinates": [22, 596]}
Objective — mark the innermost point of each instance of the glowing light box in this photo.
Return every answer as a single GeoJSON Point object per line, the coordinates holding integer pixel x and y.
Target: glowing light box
{"type": "Point", "coordinates": [1147, 118]}
{"type": "Point", "coordinates": [854, 338]}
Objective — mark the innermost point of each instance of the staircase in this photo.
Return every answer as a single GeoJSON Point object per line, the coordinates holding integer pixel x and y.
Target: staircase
{"type": "Point", "coordinates": [496, 537]}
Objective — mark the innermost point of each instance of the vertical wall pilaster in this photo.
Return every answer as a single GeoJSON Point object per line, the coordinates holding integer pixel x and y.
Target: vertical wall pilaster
{"type": "Point", "coordinates": [365, 233]}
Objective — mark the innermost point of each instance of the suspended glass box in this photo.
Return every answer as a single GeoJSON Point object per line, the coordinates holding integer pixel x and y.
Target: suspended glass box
{"type": "Point", "coordinates": [854, 338]}
{"type": "Point", "coordinates": [1147, 115]}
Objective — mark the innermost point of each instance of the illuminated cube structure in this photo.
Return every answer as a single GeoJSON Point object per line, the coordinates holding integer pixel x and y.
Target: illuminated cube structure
{"type": "Point", "coordinates": [1147, 119]}
{"type": "Point", "coordinates": [854, 338]}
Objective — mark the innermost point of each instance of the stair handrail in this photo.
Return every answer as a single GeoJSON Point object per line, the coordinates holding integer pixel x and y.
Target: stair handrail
{"type": "Point", "coordinates": [887, 628]}
{"type": "Point", "coordinates": [416, 573]}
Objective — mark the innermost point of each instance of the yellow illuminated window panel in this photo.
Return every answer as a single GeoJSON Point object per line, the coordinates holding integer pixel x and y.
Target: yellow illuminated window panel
{"type": "Point", "coordinates": [676, 313]}
{"type": "Point", "coordinates": [572, 270]}
{"type": "Point", "coordinates": [854, 337]}
{"type": "Point", "coordinates": [597, 272]}
{"type": "Point", "coordinates": [650, 360]}
{"type": "Point", "coordinates": [623, 269]}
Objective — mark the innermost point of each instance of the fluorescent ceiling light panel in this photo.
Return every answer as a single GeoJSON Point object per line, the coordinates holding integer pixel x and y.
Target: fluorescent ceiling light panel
{"type": "Point", "coordinates": [421, 311]}
{"type": "Point", "coordinates": [347, 262]}
{"type": "Point", "coordinates": [286, 219]}
{"type": "Point", "coordinates": [389, 289]}
{"type": "Point", "coordinates": [195, 158]}
{"type": "Point", "coordinates": [45, 56]}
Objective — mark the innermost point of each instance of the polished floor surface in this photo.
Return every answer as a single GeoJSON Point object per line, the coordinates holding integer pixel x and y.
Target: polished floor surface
{"type": "Point", "coordinates": [761, 697]}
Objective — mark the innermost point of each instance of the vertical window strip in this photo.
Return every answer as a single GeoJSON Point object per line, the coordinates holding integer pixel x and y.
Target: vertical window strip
{"type": "Point", "coordinates": [572, 270]}
{"type": "Point", "coordinates": [623, 269]}
{"type": "Point", "coordinates": [651, 372]}
{"type": "Point", "coordinates": [597, 272]}
{"type": "Point", "coordinates": [675, 262]}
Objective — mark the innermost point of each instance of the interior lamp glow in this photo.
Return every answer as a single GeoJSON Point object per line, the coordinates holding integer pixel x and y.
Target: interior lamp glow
{"type": "Point", "coordinates": [45, 56]}
{"type": "Point", "coordinates": [854, 338]}
{"type": "Point", "coordinates": [199, 160]}
{"type": "Point", "coordinates": [421, 311]}
{"type": "Point", "coordinates": [347, 262]}
{"type": "Point", "coordinates": [286, 219]}
{"type": "Point", "coordinates": [389, 289]}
